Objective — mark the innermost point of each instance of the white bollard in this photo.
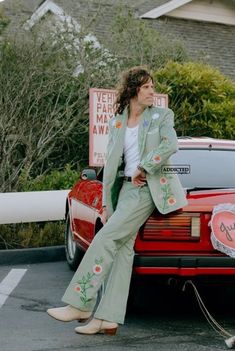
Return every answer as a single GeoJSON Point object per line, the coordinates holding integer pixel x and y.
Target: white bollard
{"type": "Point", "coordinates": [32, 206]}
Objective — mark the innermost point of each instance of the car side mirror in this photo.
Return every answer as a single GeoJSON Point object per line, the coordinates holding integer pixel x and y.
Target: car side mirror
{"type": "Point", "coordinates": [88, 174]}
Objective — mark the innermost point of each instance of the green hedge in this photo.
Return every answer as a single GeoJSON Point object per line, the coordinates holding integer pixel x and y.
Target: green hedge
{"type": "Point", "coordinates": [28, 235]}
{"type": "Point", "coordinates": [55, 180]}
{"type": "Point", "coordinates": [201, 97]}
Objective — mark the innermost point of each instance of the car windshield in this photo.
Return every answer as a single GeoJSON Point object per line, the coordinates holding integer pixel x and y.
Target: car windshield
{"type": "Point", "coordinates": [207, 167]}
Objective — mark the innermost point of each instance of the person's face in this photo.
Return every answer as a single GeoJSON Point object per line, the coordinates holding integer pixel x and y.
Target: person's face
{"type": "Point", "coordinates": [145, 94]}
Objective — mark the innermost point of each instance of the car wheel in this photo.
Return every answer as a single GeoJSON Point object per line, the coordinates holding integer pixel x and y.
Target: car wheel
{"type": "Point", "coordinates": [73, 252]}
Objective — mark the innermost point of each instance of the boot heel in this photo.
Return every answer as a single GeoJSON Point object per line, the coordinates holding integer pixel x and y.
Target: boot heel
{"type": "Point", "coordinates": [110, 331]}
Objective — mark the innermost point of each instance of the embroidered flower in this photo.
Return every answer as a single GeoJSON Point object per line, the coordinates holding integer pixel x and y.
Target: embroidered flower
{"type": "Point", "coordinates": [118, 124]}
{"type": "Point", "coordinates": [97, 269]}
{"type": "Point", "coordinates": [145, 124]}
{"type": "Point", "coordinates": [77, 288]}
{"type": "Point", "coordinates": [171, 200]}
{"type": "Point", "coordinates": [155, 116]}
{"type": "Point", "coordinates": [157, 159]}
{"type": "Point", "coordinates": [88, 281]}
{"type": "Point", "coordinates": [163, 180]}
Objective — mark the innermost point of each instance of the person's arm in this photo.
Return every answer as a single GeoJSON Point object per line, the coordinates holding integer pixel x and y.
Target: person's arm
{"type": "Point", "coordinates": [168, 145]}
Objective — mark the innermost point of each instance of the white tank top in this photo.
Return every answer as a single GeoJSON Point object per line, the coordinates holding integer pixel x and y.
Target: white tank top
{"type": "Point", "coordinates": [131, 151]}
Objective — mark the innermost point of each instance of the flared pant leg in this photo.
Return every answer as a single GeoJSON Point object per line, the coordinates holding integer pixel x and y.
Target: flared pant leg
{"type": "Point", "coordinates": [112, 306]}
{"type": "Point", "coordinates": [110, 257]}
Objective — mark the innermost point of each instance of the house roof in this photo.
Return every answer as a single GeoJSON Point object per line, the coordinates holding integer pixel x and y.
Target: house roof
{"type": "Point", "coordinates": [49, 6]}
{"type": "Point", "coordinates": [143, 8]}
{"type": "Point", "coordinates": [218, 11]}
{"type": "Point", "coordinates": [164, 8]}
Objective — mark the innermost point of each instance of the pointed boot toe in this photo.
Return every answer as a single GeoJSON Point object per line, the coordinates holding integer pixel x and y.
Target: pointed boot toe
{"type": "Point", "coordinates": [98, 326]}
{"type": "Point", "coordinates": [68, 314]}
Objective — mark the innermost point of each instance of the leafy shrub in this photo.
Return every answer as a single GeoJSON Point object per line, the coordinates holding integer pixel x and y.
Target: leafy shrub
{"type": "Point", "coordinates": [41, 112]}
{"type": "Point", "coordinates": [201, 97]}
{"type": "Point", "coordinates": [55, 180]}
{"type": "Point", "coordinates": [29, 235]}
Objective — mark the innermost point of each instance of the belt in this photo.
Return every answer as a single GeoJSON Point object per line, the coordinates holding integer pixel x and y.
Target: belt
{"type": "Point", "coordinates": [127, 179]}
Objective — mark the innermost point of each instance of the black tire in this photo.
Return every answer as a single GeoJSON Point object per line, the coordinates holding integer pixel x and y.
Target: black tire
{"type": "Point", "coordinates": [74, 253]}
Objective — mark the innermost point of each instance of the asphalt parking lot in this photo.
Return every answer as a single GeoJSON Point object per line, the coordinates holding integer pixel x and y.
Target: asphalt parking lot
{"type": "Point", "coordinates": [158, 318]}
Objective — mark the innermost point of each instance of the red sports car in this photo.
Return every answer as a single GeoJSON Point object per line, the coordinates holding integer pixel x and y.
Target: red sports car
{"type": "Point", "coordinates": [176, 244]}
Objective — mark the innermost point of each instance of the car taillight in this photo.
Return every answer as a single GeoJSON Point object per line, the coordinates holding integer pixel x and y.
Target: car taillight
{"type": "Point", "coordinates": [180, 226]}
{"type": "Point", "coordinates": [195, 227]}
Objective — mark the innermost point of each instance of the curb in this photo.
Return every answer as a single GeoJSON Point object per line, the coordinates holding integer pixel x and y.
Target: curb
{"type": "Point", "coordinates": [34, 255]}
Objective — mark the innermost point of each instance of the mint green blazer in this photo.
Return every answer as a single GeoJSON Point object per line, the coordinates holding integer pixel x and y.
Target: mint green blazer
{"type": "Point", "coordinates": [157, 142]}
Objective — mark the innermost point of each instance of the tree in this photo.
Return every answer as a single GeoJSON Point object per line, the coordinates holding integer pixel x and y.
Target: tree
{"type": "Point", "coordinates": [44, 104]}
{"type": "Point", "coordinates": [133, 42]}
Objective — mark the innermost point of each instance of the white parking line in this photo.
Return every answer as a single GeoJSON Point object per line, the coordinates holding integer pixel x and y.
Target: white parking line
{"type": "Point", "coordinates": [9, 283]}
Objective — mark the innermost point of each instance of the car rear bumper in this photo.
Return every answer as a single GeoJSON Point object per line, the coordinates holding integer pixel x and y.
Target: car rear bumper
{"type": "Point", "coordinates": [184, 265]}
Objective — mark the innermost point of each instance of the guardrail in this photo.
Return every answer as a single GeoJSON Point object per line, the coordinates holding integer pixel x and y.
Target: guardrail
{"type": "Point", "coordinates": [35, 206]}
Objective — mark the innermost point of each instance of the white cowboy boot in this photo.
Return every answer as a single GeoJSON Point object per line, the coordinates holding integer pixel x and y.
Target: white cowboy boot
{"type": "Point", "coordinates": [68, 314]}
{"type": "Point", "coordinates": [96, 326]}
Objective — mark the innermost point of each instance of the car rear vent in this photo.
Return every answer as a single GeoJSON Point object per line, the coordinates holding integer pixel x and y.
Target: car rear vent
{"type": "Point", "coordinates": [177, 227]}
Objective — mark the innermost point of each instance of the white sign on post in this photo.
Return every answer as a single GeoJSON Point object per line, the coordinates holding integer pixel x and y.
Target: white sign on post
{"type": "Point", "coordinates": [101, 111]}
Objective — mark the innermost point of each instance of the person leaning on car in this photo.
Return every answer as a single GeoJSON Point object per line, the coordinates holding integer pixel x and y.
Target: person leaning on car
{"type": "Point", "coordinates": [141, 140]}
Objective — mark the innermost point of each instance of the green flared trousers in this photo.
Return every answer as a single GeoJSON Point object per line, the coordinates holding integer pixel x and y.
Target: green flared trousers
{"type": "Point", "coordinates": [109, 258]}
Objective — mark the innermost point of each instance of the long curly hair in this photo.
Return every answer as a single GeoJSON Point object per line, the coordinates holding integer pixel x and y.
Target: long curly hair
{"type": "Point", "coordinates": [131, 81]}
